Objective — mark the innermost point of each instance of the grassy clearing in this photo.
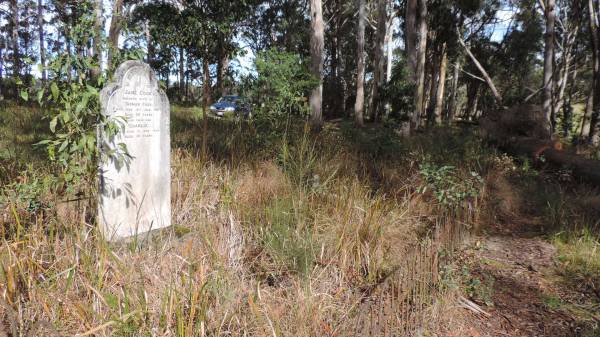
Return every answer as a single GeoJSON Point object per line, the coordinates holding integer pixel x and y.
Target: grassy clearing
{"type": "Point", "coordinates": [277, 232]}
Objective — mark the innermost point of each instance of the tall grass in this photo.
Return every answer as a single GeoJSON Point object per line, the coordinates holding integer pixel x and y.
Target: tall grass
{"type": "Point", "coordinates": [276, 233]}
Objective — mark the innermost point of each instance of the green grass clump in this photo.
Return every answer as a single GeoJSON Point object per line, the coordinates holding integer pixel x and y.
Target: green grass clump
{"type": "Point", "coordinates": [579, 256]}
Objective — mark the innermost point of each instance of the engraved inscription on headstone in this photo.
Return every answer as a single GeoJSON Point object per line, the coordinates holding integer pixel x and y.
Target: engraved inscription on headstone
{"type": "Point", "coordinates": [135, 194]}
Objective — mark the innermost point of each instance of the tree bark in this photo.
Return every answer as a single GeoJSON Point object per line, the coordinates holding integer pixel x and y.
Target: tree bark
{"type": "Point", "coordinates": [548, 62]}
{"type": "Point", "coordinates": [594, 136]}
{"type": "Point", "coordinates": [360, 75]}
{"type": "Point", "coordinates": [452, 105]}
{"type": "Point", "coordinates": [411, 39]}
{"type": "Point", "coordinates": [116, 23]}
{"type": "Point", "coordinates": [14, 10]}
{"type": "Point", "coordinates": [431, 83]}
{"type": "Point", "coordinates": [587, 116]}
{"type": "Point", "coordinates": [317, 44]}
{"type": "Point", "coordinates": [1, 64]}
{"type": "Point", "coordinates": [378, 66]}
{"type": "Point", "coordinates": [563, 78]}
{"type": "Point", "coordinates": [97, 45]}
{"type": "Point", "coordinates": [149, 45]}
{"type": "Point", "coordinates": [182, 73]}
{"type": "Point", "coordinates": [420, 77]}
{"type": "Point", "coordinates": [222, 66]}
{"type": "Point", "coordinates": [567, 108]}
{"type": "Point", "coordinates": [439, 101]}
{"type": "Point", "coordinates": [40, 22]}
{"type": "Point", "coordinates": [389, 42]}
{"type": "Point", "coordinates": [206, 98]}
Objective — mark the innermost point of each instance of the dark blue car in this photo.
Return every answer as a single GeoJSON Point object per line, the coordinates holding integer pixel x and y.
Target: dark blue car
{"type": "Point", "coordinates": [231, 104]}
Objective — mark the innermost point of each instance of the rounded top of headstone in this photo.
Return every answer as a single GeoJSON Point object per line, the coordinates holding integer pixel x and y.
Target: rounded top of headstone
{"type": "Point", "coordinates": [131, 71]}
{"type": "Point", "coordinates": [132, 75]}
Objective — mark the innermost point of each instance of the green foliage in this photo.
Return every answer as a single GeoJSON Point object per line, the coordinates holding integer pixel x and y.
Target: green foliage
{"type": "Point", "coordinates": [282, 84]}
{"type": "Point", "coordinates": [447, 186]}
{"type": "Point", "coordinates": [399, 92]}
{"type": "Point", "coordinates": [477, 288]}
{"type": "Point", "coordinates": [71, 103]}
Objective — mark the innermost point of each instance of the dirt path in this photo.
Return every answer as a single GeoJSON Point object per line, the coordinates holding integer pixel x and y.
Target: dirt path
{"type": "Point", "coordinates": [511, 275]}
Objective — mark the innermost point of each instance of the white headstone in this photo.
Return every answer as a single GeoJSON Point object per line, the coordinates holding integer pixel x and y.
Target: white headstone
{"type": "Point", "coordinates": [135, 196]}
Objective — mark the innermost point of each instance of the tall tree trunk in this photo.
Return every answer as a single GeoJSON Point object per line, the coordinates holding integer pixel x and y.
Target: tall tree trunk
{"type": "Point", "coordinates": [205, 104]}
{"type": "Point", "coordinates": [116, 23]}
{"type": "Point", "coordinates": [40, 22]}
{"type": "Point", "coordinates": [410, 28]}
{"type": "Point", "coordinates": [317, 44]}
{"type": "Point", "coordinates": [222, 66]}
{"type": "Point", "coordinates": [595, 106]}
{"type": "Point", "coordinates": [431, 83]}
{"type": "Point", "coordinates": [472, 101]}
{"type": "Point", "coordinates": [563, 79]}
{"type": "Point", "coordinates": [567, 107]}
{"type": "Point", "coordinates": [548, 62]}
{"type": "Point", "coordinates": [452, 105]}
{"type": "Point", "coordinates": [14, 10]}
{"type": "Point", "coordinates": [439, 101]}
{"type": "Point", "coordinates": [420, 78]}
{"type": "Point", "coordinates": [338, 106]}
{"type": "Point", "coordinates": [587, 116]}
{"type": "Point", "coordinates": [389, 41]}
{"type": "Point", "coordinates": [379, 59]}
{"type": "Point", "coordinates": [149, 43]}
{"type": "Point", "coordinates": [68, 49]}
{"type": "Point", "coordinates": [1, 64]}
{"type": "Point", "coordinates": [182, 73]}
{"type": "Point", "coordinates": [360, 75]}
{"type": "Point", "coordinates": [98, 28]}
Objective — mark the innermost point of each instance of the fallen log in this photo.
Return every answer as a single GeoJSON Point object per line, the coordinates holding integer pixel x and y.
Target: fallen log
{"type": "Point", "coordinates": [553, 153]}
{"type": "Point", "coordinates": [523, 131]}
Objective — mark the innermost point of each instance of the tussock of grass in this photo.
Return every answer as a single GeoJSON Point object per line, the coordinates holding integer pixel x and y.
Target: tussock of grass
{"type": "Point", "coordinates": [579, 255]}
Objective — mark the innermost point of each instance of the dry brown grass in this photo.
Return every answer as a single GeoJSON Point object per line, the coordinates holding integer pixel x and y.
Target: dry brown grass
{"type": "Point", "coordinates": [252, 252]}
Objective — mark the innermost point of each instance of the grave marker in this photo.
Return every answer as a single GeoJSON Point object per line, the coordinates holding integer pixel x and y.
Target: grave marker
{"type": "Point", "coordinates": [135, 196]}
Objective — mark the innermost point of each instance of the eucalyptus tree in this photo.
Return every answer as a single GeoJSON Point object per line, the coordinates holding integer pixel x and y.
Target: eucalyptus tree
{"type": "Point", "coordinates": [548, 8]}
{"type": "Point", "coordinates": [359, 104]}
{"type": "Point", "coordinates": [594, 27]}
{"type": "Point", "coordinates": [317, 44]}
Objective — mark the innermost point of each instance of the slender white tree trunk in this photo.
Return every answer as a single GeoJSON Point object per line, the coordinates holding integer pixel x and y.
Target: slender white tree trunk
{"type": "Point", "coordinates": [114, 31]}
{"type": "Point", "coordinates": [378, 63]}
{"type": "Point", "coordinates": [97, 42]}
{"type": "Point", "coordinates": [420, 77]}
{"type": "Point", "coordinates": [548, 62]}
{"type": "Point", "coordinates": [452, 104]}
{"type": "Point", "coordinates": [410, 28]}
{"type": "Point", "coordinates": [40, 22]}
{"type": "Point", "coordinates": [14, 11]}
{"type": "Point", "coordinates": [594, 102]}
{"type": "Point", "coordinates": [439, 95]}
{"type": "Point", "coordinates": [359, 104]}
{"type": "Point", "coordinates": [317, 44]}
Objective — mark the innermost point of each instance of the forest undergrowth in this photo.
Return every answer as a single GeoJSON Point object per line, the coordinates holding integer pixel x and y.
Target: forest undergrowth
{"type": "Point", "coordinates": [277, 232]}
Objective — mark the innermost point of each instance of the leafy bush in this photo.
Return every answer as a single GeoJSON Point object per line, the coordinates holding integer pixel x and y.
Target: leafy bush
{"type": "Point", "coordinates": [448, 188]}
{"type": "Point", "coordinates": [71, 103]}
{"type": "Point", "coordinates": [282, 84]}
{"type": "Point", "coordinates": [399, 92]}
